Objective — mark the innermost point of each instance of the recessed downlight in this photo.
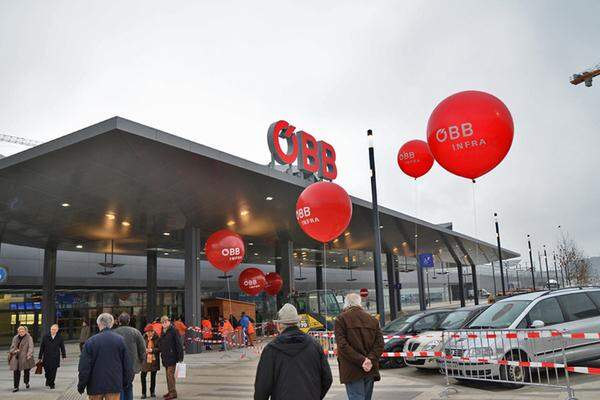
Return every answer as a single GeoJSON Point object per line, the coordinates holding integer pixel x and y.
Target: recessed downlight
{"type": "Point", "coordinates": [79, 246]}
{"type": "Point", "coordinates": [126, 223]}
{"type": "Point", "coordinates": [166, 234]}
{"type": "Point", "coordinates": [65, 205]}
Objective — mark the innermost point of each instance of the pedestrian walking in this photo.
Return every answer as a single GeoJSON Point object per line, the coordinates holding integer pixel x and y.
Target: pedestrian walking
{"type": "Point", "coordinates": [51, 349]}
{"type": "Point", "coordinates": [84, 335]}
{"type": "Point", "coordinates": [151, 362]}
{"type": "Point", "coordinates": [20, 357]}
{"type": "Point", "coordinates": [359, 346]}
{"type": "Point", "coordinates": [293, 366]}
{"type": "Point", "coordinates": [171, 352]}
{"type": "Point", "coordinates": [104, 365]}
{"type": "Point", "coordinates": [136, 348]}
{"type": "Point", "coordinates": [245, 323]}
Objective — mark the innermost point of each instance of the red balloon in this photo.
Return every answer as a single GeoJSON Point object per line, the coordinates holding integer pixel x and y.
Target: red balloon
{"type": "Point", "coordinates": [415, 158]}
{"type": "Point", "coordinates": [274, 283]}
{"type": "Point", "coordinates": [252, 281]}
{"type": "Point", "coordinates": [470, 133]}
{"type": "Point", "coordinates": [323, 211]}
{"type": "Point", "coordinates": [224, 250]}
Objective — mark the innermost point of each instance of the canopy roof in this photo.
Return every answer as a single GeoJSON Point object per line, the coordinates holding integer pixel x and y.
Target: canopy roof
{"type": "Point", "coordinates": [159, 183]}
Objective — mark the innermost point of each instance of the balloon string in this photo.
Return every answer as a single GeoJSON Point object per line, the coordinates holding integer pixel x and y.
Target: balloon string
{"type": "Point", "coordinates": [475, 227]}
{"type": "Point", "coordinates": [228, 294]}
{"type": "Point", "coordinates": [416, 193]}
{"type": "Point", "coordinates": [325, 283]}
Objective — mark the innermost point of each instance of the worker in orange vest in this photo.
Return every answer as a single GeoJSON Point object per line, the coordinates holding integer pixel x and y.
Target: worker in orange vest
{"type": "Point", "coordinates": [251, 334]}
{"type": "Point", "coordinates": [206, 332]}
{"type": "Point", "coordinates": [226, 330]}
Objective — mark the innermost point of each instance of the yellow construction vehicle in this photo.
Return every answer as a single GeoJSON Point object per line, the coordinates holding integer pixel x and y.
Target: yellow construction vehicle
{"type": "Point", "coordinates": [317, 309]}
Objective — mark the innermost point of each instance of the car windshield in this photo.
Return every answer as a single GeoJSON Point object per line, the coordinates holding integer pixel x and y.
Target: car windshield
{"type": "Point", "coordinates": [454, 320]}
{"type": "Point", "coordinates": [500, 315]}
{"type": "Point", "coordinates": [401, 324]}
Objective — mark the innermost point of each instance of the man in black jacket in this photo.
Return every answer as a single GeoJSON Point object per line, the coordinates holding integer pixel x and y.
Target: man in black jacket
{"type": "Point", "coordinates": [293, 366]}
{"type": "Point", "coordinates": [171, 352]}
{"type": "Point", "coordinates": [50, 351]}
{"type": "Point", "coordinates": [104, 365]}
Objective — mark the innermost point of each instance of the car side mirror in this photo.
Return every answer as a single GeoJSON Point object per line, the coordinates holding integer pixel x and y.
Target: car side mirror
{"type": "Point", "coordinates": [537, 324]}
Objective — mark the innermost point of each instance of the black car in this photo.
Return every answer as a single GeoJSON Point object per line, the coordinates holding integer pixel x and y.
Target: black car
{"type": "Point", "coordinates": [411, 323]}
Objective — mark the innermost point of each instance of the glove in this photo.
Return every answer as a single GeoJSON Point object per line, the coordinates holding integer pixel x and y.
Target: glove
{"type": "Point", "coordinates": [80, 389]}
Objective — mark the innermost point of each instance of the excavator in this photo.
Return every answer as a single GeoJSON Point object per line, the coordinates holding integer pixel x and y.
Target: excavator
{"type": "Point", "coordinates": [317, 309]}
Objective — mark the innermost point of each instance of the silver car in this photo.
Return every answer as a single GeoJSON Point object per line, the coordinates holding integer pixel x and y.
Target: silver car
{"type": "Point", "coordinates": [570, 310]}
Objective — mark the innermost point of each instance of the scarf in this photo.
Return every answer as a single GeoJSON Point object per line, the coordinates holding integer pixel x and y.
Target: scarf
{"type": "Point", "coordinates": [150, 356]}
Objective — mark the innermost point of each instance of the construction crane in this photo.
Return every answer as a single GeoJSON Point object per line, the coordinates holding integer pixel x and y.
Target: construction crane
{"type": "Point", "coordinates": [18, 140]}
{"type": "Point", "coordinates": [586, 76]}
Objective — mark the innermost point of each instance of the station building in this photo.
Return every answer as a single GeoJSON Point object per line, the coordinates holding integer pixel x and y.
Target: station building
{"type": "Point", "coordinates": [114, 218]}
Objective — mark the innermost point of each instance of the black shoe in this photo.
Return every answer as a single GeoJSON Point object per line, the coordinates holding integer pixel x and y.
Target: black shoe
{"type": "Point", "coordinates": [51, 386]}
{"type": "Point", "coordinates": [27, 386]}
{"type": "Point", "coordinates": [15, 390]}
{"type": "Point", "coordinates": [143, 396]}
{"type": "Point", "coordinates": [152, 395]}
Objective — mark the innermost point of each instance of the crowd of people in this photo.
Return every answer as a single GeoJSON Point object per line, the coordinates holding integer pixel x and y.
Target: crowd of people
{"type": "Point", "coordinates": [110, 359]}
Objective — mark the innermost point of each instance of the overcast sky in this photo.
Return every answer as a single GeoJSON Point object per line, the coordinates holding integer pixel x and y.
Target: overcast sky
{"type": "Point", "coordinates": [220, 73]}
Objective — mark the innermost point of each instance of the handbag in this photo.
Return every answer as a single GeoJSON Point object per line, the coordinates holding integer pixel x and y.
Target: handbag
{"type": "Point", "coordinates": [38, 367]}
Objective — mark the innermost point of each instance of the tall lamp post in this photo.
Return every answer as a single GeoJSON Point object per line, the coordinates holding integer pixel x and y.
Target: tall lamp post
{"type": "Point", "coordinates": [531, 262]}
{"type": "Point", "coordinates": [500, 254]}
{"type": "Point", "coordinates": [376, 235]}
{"type": "Point", "coordinates": [547, 270]}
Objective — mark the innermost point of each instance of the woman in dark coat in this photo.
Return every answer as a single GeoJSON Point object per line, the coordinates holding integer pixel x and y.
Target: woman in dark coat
{"type": "Point", "coordinates": [151, 362]}
{"type": "Point", "coordinates": [20, 356]}
{"type": "Point", "coordinates": [51, 348]}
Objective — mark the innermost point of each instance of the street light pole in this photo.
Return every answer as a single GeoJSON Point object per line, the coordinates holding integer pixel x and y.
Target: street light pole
{"type": "Point", "coordinates": [531, 261]}
{"type": "Point", "coordinates": [500, 254]}
{"type": "Point", "coordinates": [376, 234]}
{"type": "Point", "coordinates": [547, 270]}
{"type": "Point", "coordinates": [494, 279]}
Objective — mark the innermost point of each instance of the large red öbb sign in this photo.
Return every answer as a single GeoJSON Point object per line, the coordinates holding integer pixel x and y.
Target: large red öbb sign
{"type": "Point", "coordinates": [314, 157]}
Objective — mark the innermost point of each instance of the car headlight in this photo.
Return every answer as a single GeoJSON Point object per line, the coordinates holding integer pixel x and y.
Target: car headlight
{"type": "Point", "coordinates": [431, 345]}
{"type": "Point", "coordinates": [479, 352]}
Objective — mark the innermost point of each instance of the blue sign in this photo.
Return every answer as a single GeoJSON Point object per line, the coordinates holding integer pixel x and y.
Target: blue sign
{"type": "Point", "coordinates": [398, 286]}
{"type": "Point", "coordinates": [426, 260]}
{"type": "Point", "coordinates": [3, 274]}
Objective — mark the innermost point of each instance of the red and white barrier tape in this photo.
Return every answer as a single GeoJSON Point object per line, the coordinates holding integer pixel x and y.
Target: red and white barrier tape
{"type": "Point", "coordinates": [525, 335]}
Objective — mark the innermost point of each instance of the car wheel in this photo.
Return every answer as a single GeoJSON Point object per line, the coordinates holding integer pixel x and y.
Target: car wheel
{"type": "Point", "coordinates": [513, 373]}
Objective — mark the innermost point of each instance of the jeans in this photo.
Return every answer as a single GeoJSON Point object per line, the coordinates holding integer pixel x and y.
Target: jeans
{"type": "Point", "coordinates": [361, 389]}
{"type": "Point", "coordinates": [17, 377]}
{"type": "Point", "coordinates": [127, 393]}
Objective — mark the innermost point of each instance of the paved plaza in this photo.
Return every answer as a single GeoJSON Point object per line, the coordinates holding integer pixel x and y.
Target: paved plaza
{"type": "Point", "coordinates": [215, 375]}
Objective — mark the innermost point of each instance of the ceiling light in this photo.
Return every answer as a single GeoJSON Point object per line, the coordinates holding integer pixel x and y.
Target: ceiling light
{"type": "Point", "coordinates": [255, 254]}
{"type": "Point", "coordinates": [65, 205]}
{"type": "Point", "coordinates": [250, 244]}
{"type": "Point", "coordinates": [166, 254]}
{"type": "Point", "coordinates": [336, 240]}
{"type": "Point", "coordinates": [126, 223]}
{"type": "Point", "coordinates": [404, 244]}
{"type": "Point", "coordinates": [243, 213]}
{"type": "Point", "coordinates": [166, 234]}
{"type": "Point", "coordinates": [230, 223]}
{"type": "Point", "coordinates": [269, 261]}
{"type": "Point", "coordinates": [79, 246]}
{"type": "Point", "coordinates": [347, 234]}
{"type": "Point", "coordinates": [268, 198]}
{"type": "Point", "coordinates": [110, 216]}
{"type": "Point", "coordinates": [380, 226]}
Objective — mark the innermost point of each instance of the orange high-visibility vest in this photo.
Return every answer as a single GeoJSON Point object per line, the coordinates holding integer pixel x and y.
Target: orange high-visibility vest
{"type": "Point", "coordinates": [206, 329]}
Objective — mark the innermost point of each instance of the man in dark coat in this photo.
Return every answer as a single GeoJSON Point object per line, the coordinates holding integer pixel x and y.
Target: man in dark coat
{"type": "Point", "coordinates": [51, 349]}
{"type": "Point", "coordinates": [293, 366]}
{"type": "Point", "coordinates": [171, 352]}
{"type": "Point", "coordinates": [359, 345]}
{"type": "Point", "coordinates": [104, 365]}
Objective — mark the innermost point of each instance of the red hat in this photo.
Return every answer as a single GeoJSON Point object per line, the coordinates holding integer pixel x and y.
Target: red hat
{"type": "Point", "coordinates": [148, 328]}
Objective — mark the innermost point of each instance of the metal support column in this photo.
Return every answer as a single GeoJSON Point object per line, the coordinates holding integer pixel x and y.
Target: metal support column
{"type": "Point", "coordinates": [376, 235]}
{"type": "Point", "coordinates": [285, 268]}
{"type": "Point", "coordinates": [151, 284]}
{"type": "Point", "coordinates": [319, 269]}
{"type": "Point", "coordinates": [49, 289]}
{"type": "Point", "coordinates": [473, 271]}
{"type": "Point", "coordinates": [398, 293]}
{"type": "Point", "coordinates": [421, 286]}
{"type": "Point", "coordinates": [192, 284]}
{"type": "Point", "coordinates": [389, 258]}
{"type": "Point", "coordinates": [461, 284]}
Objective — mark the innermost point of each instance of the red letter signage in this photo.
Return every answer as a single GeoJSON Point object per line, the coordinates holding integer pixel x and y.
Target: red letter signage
{"type": "Point", "coordinates": [313, 157]}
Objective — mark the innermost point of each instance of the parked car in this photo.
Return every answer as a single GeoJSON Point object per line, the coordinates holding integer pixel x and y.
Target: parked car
{"type": "Point", "coordinates": [432, 340]}
{"type": "Point", "coordinates": [409, 324]}
{"type": "Point", "coordinates": [569, 310]}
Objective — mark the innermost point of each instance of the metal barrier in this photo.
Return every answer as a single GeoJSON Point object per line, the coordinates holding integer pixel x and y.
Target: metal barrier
{"type": "Point", "coordinates": [514, 357]}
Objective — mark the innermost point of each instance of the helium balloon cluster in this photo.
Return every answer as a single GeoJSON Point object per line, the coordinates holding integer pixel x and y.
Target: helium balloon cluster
{"type": "Point", "coordinates": [468, 134]}
{"type": "Point", "coordinates": [225, 250]}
